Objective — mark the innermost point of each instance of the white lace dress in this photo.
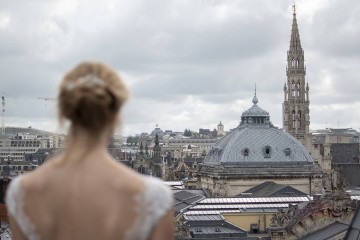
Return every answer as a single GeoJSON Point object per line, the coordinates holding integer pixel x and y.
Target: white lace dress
{"type": "Point", "coordinates": [152, 204]}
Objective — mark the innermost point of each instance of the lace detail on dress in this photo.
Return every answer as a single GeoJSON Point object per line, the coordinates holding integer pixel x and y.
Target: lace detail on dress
{"type": "Point", "coordinates": [15, 204]}
{"type": "Point", "coordinates": [152, 204]}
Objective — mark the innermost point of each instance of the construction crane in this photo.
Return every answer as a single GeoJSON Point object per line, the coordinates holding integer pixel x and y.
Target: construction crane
{"type": "Point", "coordinates": [2, 116]}
{"type": "Point", "coordinates": [47, 98]}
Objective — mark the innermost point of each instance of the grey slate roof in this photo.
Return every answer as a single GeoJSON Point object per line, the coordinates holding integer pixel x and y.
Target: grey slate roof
{"type": "Point", "coordinates": [328, 232]}
{"type": "Point", "coordinates": [212, 227]}
{"type": "Point", "coordinates": [214, 217]}
{"type": "Point", "coordinates": [353, 232]}
{"type": "Point", "coordinates": [230, 149]}
{"type": "Point", "coordinates": [200, 192]}
{"type": "Point", "coordinates": [257, 141]}
{"type": "Point", "coordinates": [184, 199]}
{"type": "Point", "coordinates": [255, 110]}
{"type": "Point", "coordinates": [271, 189]}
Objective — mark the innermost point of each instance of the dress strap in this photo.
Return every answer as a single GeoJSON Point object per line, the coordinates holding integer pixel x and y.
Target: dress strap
{"type": "Point", "coordinates": [15, 198]}
{"type": "Point", "coordinates": [151, 204]}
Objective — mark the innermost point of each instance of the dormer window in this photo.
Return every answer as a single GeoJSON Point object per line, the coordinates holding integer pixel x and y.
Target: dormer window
{"type": "Point", "coordinates": [217, 229]}
{"type": "Point", "coordinates": [287, 151]}
{"type": "Point", "coordinates": [267, 152]}
{"type": "Point", "coordinates": [246, 152]}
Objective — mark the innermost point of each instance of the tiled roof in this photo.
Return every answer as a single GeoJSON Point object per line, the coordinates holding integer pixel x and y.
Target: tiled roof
{"type": "Point", "coordinates": [328, 232]}
{"type": "Point", "coordinates": [353, 232]}
{"type": "Point", "coordinates": [271, 189]}
{"type": "Point", "coordinates": [230, 149]}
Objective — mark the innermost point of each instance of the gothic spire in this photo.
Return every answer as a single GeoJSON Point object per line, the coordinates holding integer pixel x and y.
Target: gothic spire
{"type": "Point", "coordinates": [295, 44]}
{"type": "Point", "coordinates": [141, 148]}
{"type": "Point", "coordinates": [296, 118]}
{"type": "Point", "coordinates": [156, 140]}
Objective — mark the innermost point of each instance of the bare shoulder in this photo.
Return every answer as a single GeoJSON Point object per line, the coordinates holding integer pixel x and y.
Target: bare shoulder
{"type": "Point", "coordinates": [37, 178]}
{"type": "Point", "coordinates": [127, 178]}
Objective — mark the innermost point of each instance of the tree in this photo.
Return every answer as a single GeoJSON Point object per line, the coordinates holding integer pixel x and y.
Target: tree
{"type": "Point", "coordinates": [132, 140]}
{"type": "Point", "coordinates": [187, 133]}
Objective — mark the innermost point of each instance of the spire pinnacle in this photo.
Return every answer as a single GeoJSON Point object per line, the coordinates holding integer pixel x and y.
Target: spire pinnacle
{"type": "Point", "coordinates": [255, 100]}
{"type": "Point", "coordinates": [294, 9]}
{"type": "Point", "coordinates": [295, 44]}
{"type": "Point", "coordinates": [156, 140]}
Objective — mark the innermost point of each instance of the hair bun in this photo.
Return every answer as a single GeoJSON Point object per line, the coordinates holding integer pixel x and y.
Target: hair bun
{"type": "Point", "coordinates": [90, 95]}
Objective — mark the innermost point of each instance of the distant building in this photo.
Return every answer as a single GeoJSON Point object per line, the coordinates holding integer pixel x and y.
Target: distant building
{"type": "Point", "coordinates": [153, 164]}
{"type": "Point", "coordinates": [338, 149]}
{"type": "Point", "coordinates": [296, 118]}
{"type": "Point", "coordinates": [157, 131]}
{"type": "Point", "coordinates": [21, 144]}
{"type": "Point", "coordinates": [198, 147]}
{"type": "Point", "coordinates": [255, 152]}
{"type": "Point", "coordinates": [17, 147]}
{"type": "Point", "coordinates": [220, 129]}
{"type": "Point", "coordinates": [10, 168]}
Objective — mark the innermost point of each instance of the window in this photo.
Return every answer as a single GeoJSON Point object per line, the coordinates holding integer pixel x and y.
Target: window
{"type": "Point", "coordinates": [254, 228]}
{"type": "Point", "coordinates": [267, 152]}
{"type": "Point", "coordinates": [293, 119]}
{"type": "Point", "coordinates": [246, 152]}
{"type": "Point", "coordinates": [298, 89]}
{"type": "Point", "coordinates": [287, 151]}
{"type": "Point", "coordinates": [293, 89]}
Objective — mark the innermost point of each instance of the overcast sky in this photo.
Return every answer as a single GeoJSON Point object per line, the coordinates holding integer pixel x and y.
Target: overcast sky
{"type": "Point", "coordinates": [187, 63]}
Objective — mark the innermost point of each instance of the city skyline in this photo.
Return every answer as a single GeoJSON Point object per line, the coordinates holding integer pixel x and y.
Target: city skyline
{"type": "Point", "coordinates": [188, 64]}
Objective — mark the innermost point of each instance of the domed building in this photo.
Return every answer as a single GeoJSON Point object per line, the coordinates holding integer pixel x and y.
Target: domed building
{"type": "Point", "coordinates": [257, 151]}
{"type": "Point", "coordinates": [157, 131]}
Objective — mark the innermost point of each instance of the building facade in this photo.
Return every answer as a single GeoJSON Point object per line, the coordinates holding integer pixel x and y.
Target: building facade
{"type": "Point", "coordinates": [257, 151]}
{"type": "Point", "coordinates": [296, 118]}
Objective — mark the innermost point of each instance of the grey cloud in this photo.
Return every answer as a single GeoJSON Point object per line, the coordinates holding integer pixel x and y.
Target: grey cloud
{"type": "Point", "coordinates": [214, 51]}
{"type": "Point", "coordinates": [336, 29]}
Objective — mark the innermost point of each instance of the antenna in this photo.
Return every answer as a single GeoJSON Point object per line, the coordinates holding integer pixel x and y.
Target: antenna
{"type": "Point", "coordinates": [2, 116]}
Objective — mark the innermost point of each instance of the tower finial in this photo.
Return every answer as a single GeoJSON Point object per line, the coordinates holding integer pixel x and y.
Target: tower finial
{"type": "Point", "coordinates": [255, 100]}
{"type": "Point", "coordinates": [294, 9]}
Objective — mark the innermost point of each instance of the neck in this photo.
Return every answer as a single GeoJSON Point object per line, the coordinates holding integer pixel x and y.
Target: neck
{"type": "Point", "coordinates": [82, 144]}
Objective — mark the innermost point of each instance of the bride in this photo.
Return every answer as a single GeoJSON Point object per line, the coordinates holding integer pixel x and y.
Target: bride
{"type": "Point", "coordinates": [83, 193]}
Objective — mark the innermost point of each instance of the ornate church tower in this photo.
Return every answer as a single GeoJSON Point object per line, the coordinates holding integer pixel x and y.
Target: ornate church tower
{"type": "Point", "coordinates": [296, 119]}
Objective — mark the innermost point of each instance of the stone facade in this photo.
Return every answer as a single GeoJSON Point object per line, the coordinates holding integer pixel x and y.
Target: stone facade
{"type": "Point", "coordinates": [296, 118]}
{"type": "Point", "coordinates": [226, 184]}
{"type": "Point", "coordinates": [337, 148]}
{"type": "Point", "coordinates": [301, 220]}
{"type": "Point", "coordinates": [154, 165]}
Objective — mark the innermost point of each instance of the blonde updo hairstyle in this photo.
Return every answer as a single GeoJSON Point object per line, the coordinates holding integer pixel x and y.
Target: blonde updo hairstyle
{"type": "Point", "coordinates": [91, 96]}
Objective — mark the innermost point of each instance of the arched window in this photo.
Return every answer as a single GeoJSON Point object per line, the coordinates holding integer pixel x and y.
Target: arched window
{"type": "Point", "coordinates": [293, 89]}
{"type": "Point", "coordinates": [267, 152]}
{"type": "Point", "coordinates": [298, 89]}
{"type": "Point", "coordinates": [293, 119]}
{"type": "Point", "coordinates": [141, 169]}
{"type": "Point", "coordinates": [299, 116]}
